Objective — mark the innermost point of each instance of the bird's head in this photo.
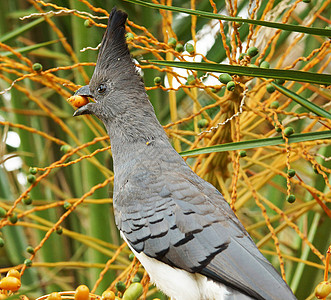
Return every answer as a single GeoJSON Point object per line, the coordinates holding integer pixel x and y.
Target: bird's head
{"type": "Point", "coordinates": [114, 75]}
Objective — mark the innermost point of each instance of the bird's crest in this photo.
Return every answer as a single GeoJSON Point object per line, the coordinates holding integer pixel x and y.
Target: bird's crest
{"type": "Point", "coordinates": [113, 45]}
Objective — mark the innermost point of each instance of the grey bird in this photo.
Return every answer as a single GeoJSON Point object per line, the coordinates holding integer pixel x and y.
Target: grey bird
{"type": "Point", "coordinates": [179, 226]}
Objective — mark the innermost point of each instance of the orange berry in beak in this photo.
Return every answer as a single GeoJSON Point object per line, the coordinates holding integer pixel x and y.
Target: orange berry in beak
{"type": "Point", "coordinates": [78, 101]}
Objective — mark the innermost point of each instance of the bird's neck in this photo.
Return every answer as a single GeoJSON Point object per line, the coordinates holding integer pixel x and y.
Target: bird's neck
{"type": "Point", "coordinates": [138, 145]}
{"type": "Point", "coordinates": [129, 135]}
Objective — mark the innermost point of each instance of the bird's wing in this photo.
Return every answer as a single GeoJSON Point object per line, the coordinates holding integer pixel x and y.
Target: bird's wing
{"type": "Point", "coordinates": [185, 222]}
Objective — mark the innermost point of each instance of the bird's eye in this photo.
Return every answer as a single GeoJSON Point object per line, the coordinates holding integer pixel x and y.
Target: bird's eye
{"type": "Point", "coordinates": [101, 88]}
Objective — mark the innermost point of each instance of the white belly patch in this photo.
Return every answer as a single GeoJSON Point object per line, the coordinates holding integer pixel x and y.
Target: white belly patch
{"type": "Point", "coordinates": [182, 285]}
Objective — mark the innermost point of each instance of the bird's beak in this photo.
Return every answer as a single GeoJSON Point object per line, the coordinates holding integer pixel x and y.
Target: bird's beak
{"type": "Point", "coordinates": [83, 91]}
{"type": "Point", "coordinates": [85, 109]}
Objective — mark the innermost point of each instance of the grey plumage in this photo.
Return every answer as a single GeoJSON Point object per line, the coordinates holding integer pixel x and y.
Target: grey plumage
{"type": "Point", "coordinates": [162, 208]}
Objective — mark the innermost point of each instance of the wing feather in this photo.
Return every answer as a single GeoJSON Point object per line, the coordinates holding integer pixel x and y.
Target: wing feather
{"type": "Point", "coordinates": [186, 223]}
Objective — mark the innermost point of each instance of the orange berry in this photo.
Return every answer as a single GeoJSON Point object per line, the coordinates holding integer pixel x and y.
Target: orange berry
{"type": "Point", "coordinates": [54, 296]}
{"type": "Point", "coordinates": [323, 290]}
{"type": "Point", "coordinates": [82, 293]}
{"type": "Point", "coordinates": [108, 295]}
{"type": "Point", "coordinates": [10, 284]}
{"type": "Point", "coordinates": [78, 101]}
{"type": "Point", "coordinates": [14, 273]}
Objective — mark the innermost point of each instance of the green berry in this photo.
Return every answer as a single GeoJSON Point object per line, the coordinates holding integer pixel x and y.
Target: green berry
{"type": "Point", "coordinates": [242, 55]}
{"type": "Point", "coordinates": [59, 230]}
{"type": "Point", "coordinates": [214, 90]}
{"type": "Point", "coordinates": [270, 88]}
{"type": "Point", "coordinates": [120, 286]}
{"type": "Point", "coordinates": [66, 205]}
{"type": "Point", "coordinates": [252, 51]}
{"type": "Point", "coordinates": [252, 66]}
{"type": "Point", "coordinates": [88, 23]}
{"type": "Point", "coordinates": [265, 65]}
{"type": "Point", "coordinates": [290, 173]}
{"type": "Point", "coordinates": [129, 37]}
{"type": "Point", "coordinates": [230, 85]}
{"type": "Point", "coordinates": [203, 123]}
{"type": "Point", "coordinates": [131, 256]}
{"type": "Point", "coordinates": [278, 129]}
{"type": "Point", "coordinates": [37, 67]}
{"type": "Point", "coordinates": [279, 81]}
{"type": "Point", "coordinates": [191, 79]}
{"type": "Point", "coordinates": [65, 148]}
{"type": "Point", "coordinates": [179, 47]}
{"type": "Point", "coordinates": [13, 218]}
{"type": "Point", "coordinates": [274, 105]}
{"type": "Point", "coordinates": [288, 131]}
{"type": "Point", "coordinates": [134, 291]}
{"type": "Point", "coordinates": [290, 198]}
{"type": "Point", "coordinates": [225, 78]}
{"type": "Point", "coordinates": [3, 212]}
{"type": "Point", "coordinates": [2, 242]}
{"type": "Point", "coordinates": [306, 1]}
{"type": "Point", "coordinates": [136, 278]}
{"type": "Point", "coordinates": [33, 171]}
{"type": "Point", "coordinates": [27, 200]}
{"type": "Point", "coordinates": [172, 42]}
{"type": "Point", "coordinates": [29, 249]}
{"type": "Point", "coordinates": [157, 80]}
{"type": "Point", "coordinates": [31, 178]}
{"type": "Point", "coordinates": [242, 153]}
{"type": "Point", "coordinates": [28, 262]}
{"type": "Point", "coordinates": [189, 48]}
